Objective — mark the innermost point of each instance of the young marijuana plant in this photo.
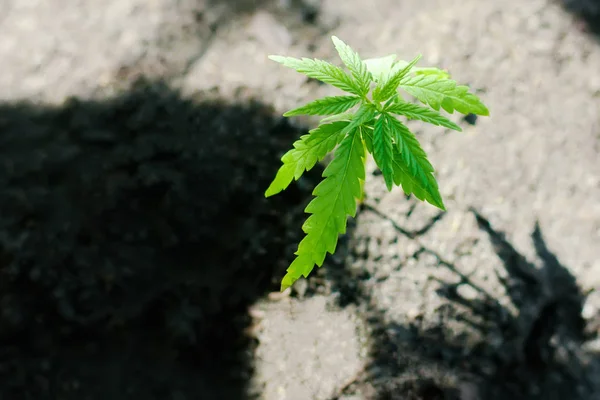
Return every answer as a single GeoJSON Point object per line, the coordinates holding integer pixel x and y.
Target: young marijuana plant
{"type": "Point", "coordinates": [372, 127]}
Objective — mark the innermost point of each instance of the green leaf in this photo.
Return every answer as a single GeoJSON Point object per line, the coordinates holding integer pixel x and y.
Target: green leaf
{"type": "Point", "coordinates": [354, 63]}
{"type": "Point", "coordinates": [410, 148]}
{"type": "Point", "coordinates": [365, 113]}
{"type": "Point", "coordinates": [411, 185]}
{"type": "Point", "coordinates": [414, 111]}
{"type": "Point", "coordinates": [321, 70]}
{"type": "Point", "coordinates": [444, 93]}
{"type": "Point", "coordinates": [439, 73]}
{"type": "Point", "coordinates": [326, 106]}
{"type": "Point", "coordinates": [402, 177]}
{"type": "Point", "coordinates": [380, 67]}
{"type": "Point", "coordinates": [335, 200]}
{"type": "Point", "coordinates": [382, 149]}
{"type": "Point", "coordinates": [392, 100]}
{"type": "Point", "coordinates": [338, 117]}
{"type": "Point", "coordinates": [388, 88]}
{"type": "Point", "coordinates": [306, 153]}
{"type": "Point", "coordinates": [366, 132]}
{"type": "Point", "coordinates": [415, 162]}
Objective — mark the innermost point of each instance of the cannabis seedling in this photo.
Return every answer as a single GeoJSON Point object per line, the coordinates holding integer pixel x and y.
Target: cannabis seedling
{"type": "Point", "coordinates": [373, 128]}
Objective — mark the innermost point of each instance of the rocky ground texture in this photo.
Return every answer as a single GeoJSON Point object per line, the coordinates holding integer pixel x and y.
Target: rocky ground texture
{"type": "Point", "coordinates": [139, 259]}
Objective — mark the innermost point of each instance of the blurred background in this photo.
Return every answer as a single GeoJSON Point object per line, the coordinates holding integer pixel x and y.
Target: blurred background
{"type": "Point", "coordinates": [139, 259]}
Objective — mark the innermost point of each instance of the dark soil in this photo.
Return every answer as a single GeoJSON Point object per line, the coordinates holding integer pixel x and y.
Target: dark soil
{"type": "Point", "coordinates": [587, 10]}
{"type": "Point", "coordinates": [134, 235]}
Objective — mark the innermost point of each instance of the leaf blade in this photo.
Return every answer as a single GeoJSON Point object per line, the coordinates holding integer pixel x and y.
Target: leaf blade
{"type": "Point", "coordinates": [355, 64]}
{"type": "Point", "coordinates": [411, 185]}
{"type": "Point", "coordinates": [338, 117]}
{"type": "Point", "coordinates": [402, 177]}
{"type": "Point", "coordinates": [380, 67]}
{"type": "Point", "coordinates": [306, 152]}
{"type": "Point", "coordinates": [335, 200]}
{"type": "Point", "coordinates": [386, 89]}
{"type": "Point", "coordinates": [382, 149]}
{"type": "Point", "coordinates": [320, 70]}
{"type": "Point", "coordinates": [364, 114]}
{"type": "Point", "coordinates": [414, 111]}
{"type": "Point", "coordinates": [439, 93]}
{"type": "Point", "coordinates": [439, 73]}
{"type": "Point", "coordinates": [325, 106]}
{"type": "Point", "coordinates": [413, 163]}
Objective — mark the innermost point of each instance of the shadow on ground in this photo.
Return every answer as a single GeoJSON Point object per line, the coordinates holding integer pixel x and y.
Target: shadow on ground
{"type": "Point", "coordinates": [536, 351]}
{"type": "Point", "coordinates": [134, 236]}
{"type": "Point", "coordinates": [587, 10]}
{"type": "Point", "coordinates": [308, 9]}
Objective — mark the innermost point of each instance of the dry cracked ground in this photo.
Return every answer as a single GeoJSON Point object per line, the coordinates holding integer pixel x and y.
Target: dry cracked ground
{"type": "Point", "coordinates": [140, 261]}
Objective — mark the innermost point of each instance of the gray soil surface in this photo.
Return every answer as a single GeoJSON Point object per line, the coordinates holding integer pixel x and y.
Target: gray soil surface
{"type": "Point", "coordinates": [139, 259]}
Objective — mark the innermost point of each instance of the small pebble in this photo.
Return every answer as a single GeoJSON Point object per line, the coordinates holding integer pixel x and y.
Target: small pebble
{"type": "Point", "coordinates": [277, 296]}
{"type": "Point", "coordinates": [413, 314]}
{"type": "Point", "coordinates": [467, 292]}
{"type": "Point", "coordinates": [589, 311]}
{"type": "Point", "coordinates": [255, 313]}
{"type": "Point", "coordinates": [300, 288]}
{"type": "Point", "coordinates": [593, 346]}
